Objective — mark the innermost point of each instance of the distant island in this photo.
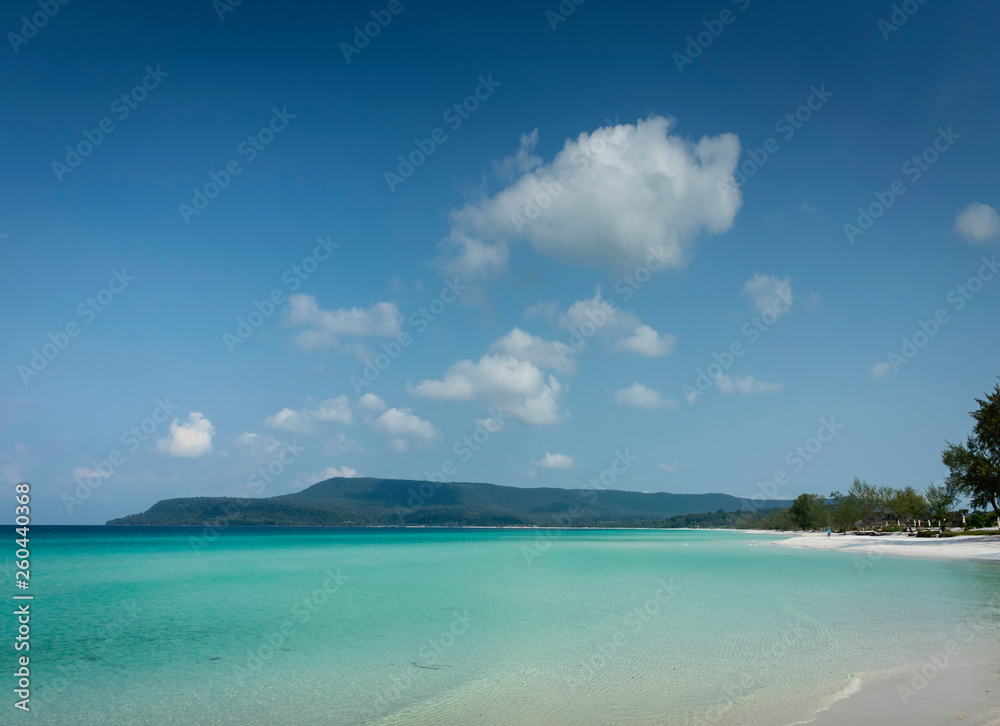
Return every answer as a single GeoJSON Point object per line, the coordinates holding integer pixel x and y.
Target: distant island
{"type": "Point", "coordinates": [372, 502]}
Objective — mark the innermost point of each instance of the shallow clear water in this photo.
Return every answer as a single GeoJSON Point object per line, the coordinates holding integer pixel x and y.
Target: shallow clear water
{"type": "Point", "coordinates": [308, 626]}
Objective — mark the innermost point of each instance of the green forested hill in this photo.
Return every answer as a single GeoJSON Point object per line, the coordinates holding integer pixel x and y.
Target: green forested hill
{"type": "Point", "coordinates": [368, 501]}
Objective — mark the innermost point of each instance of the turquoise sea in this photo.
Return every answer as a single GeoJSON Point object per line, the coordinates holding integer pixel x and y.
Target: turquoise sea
{"type": "Point", "coordinates": [272, 626]}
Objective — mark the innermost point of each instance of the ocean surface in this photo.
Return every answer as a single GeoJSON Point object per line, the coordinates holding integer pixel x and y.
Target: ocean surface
{"type": "Point", "coordinates": [274, 626]}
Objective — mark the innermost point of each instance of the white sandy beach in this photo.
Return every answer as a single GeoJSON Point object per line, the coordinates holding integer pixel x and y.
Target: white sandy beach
{"type": "Point", "coordinates": [985, 547]}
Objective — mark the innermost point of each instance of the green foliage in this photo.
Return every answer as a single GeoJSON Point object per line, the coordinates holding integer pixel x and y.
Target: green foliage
{"type": "Point", "coordinates": [808, 511]}
{"type": "Point", "coordinates": [940, 500]}
{"type": "Point", "coordinates": [907, 503]}
{"type": "Point", "coordinates": [975, 467]}
{"type": "Point", "coordinates": [357, 502]}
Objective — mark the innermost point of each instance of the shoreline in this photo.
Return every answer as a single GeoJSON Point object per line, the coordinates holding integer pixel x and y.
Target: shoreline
{"type": "Point", "coordinates": [965, 688]}
{"type": "Point", "coordinates": [981, 548]}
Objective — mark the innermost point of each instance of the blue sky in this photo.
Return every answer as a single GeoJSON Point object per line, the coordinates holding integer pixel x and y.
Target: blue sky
{"type": "Point", "coordinates": [643, 144]}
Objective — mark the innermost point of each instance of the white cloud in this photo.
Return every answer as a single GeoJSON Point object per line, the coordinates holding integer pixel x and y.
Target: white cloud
{"type": "Point", "coordinates": [646, 341]}
{"type": "Point", "coordinates": [556, 461]}
{"type": "Point", "coordinates": [548, 309]}
{"type": "Point", "coordinates": [519, 386]}
{"type": "Point", "coordinates": [746, 385]}
{"type": "Point", "coordinates": [639, 396]}
{"type": "Point", "coordinates": [623, 330]}
{"type": "Point", "coordinates": [668, 467]}
{"type": "Point", "coordinates": [189, 440]}
{"type": "Point", "coordinates": [371, 402]}
{"type": "Point", "coordinates": [303, 421]}
{"type": "Point", "coordinates": [324, 328]}
{"type": "Point", "coordinates": [621, 190]}
{"type": "Point", "coordinates": [256, 446]}
{"type": "Point", "coordinates": [330, 472]}
{"type": "Point", "coordinates": [770, 293]}
{"type": "Point", "coordinates": [978, 223]}
{"type": "Point", "coordinates": [400, 422]}
{"type": "Point", "coordinates": [880, 371]}
{"type": "Point", "coordinates": [527, 347]}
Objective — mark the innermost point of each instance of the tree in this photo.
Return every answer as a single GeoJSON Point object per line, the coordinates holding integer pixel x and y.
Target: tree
{"type": "Point", "coordinates": [975, 467]}
{"type": "Point", "coordinates": [867, 498]}
{"type": "Point", "coordinates": [908, 503]}
{"type": "Point", "coordinates": [808, 511]}
{"type": "Point", "coordinates": [940, 501]}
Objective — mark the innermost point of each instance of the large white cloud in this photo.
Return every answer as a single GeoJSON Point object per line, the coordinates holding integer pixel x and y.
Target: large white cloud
{"type": "Point", "coordinates": [604, 200]}
{"type": "Point", "coordinates": [769, 293]}
{"type": "Point", "coordinates": [531, 348]}
{"type": "Point", "coordinates": [519, 386]}
{"type": "Point", "coordinates": [304, 421]}
{"type": "Point", "coordinates": [189, 440]}
{"type": "Point", "coordinates": [978, 223]}
{"type": "Point", "coordinates": [640, 396]}
{"type": "Point", "coordinates": [622, 330]}
{"type": "Point", "coordinates": [402, 424]}
{"type": "Point", "coordinates": [324, 328]}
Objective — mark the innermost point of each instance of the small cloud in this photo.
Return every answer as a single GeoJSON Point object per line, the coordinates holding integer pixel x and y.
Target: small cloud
{"type": "Point", "coordinates": [400, 423]}
{"type": "Point", "coordinates": [880, 371]}
{"type": "Point", "coordinates": [547, 309]}
{"type": "Point", "coordinates": [646, 341]}
{"type": "Point", "coordinates": [82, 472]}
{"type": "Point", "coordinates": [668, 467]}
{"type": "Point", "coordinates": [190, 440]}
{"type": "Point", "coordinates": [640, 396]}
{"type": "Point", "coordinates": [770, 294]}
{"type": "Point", "coordinates": [978, 223]}
{"type": "Point", "coordinates": [325, 328]}
{"type": "Point", "coordinates": [746, 385]}
{"type": "Point", "coordinates": [371, 402]}
{"type": "Point", "coordinates": [304, 421]}
{"type": "Point", "coordinates": [344, 472]}
{"type": "Point", "coordinates": [813, 301]}
{"type": "Point", "coordinates": [556, 461]}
